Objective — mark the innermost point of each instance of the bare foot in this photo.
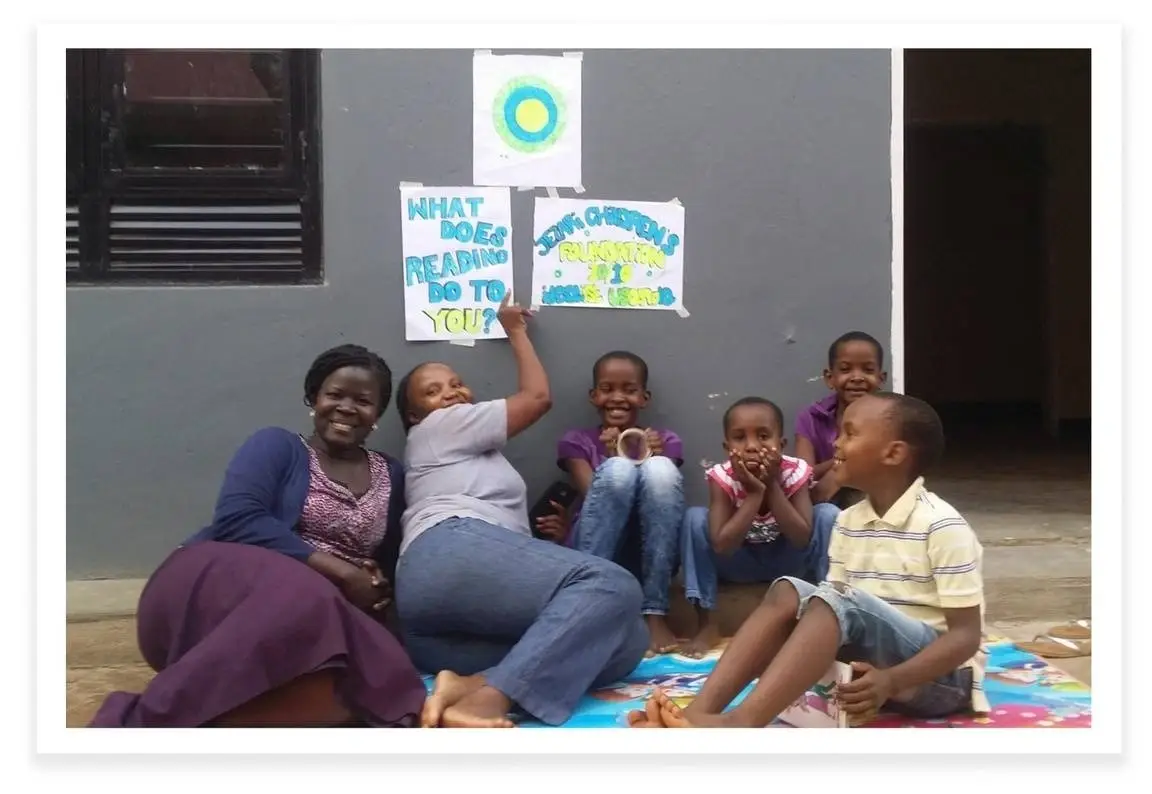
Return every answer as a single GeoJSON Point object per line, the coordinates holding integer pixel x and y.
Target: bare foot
{"type": "Point", "coordinates": [648, 718]}
{"type": "Point", "coordinates": [485, 707]}
{"type": "Point", "coordinates": [672, 716]}
{"type": "Point", "coordinates": [707, 638]}
{"type": "Point", "coordinates": [662, 640]}
{"type": "Point", "coordinates": [448, 689]}
{"type": "Point", "coordinates": [659, 712]}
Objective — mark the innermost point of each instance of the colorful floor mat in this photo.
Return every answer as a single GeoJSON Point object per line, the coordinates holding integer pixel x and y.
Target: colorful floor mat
{"type": "Point", "coordinates": [1024, 690]}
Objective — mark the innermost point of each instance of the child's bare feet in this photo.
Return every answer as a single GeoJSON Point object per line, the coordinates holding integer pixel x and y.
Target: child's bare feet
{"type": "Point", "coordinates": [485, 707]}
{"type": "Point", "coordinates": [661, 712]}
{"type": "Point", "coordinates": [672, 716]}
{"type": "Point", "coordinates": [648, 718]}
{"type": "Point", "coordinates": [448, 689]}
{"type": "Point", "coordinates": [707, 637]}
{"type": "Point", "coordinates": [661, 638]}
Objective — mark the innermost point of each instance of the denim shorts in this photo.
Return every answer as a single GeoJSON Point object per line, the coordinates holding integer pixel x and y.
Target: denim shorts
{"type": "Point", "coordinates": [874, 631]}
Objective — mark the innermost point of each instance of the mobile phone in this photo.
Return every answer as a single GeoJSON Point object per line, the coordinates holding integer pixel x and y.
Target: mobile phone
{"type": "Point", "coordinates": [559, 492]}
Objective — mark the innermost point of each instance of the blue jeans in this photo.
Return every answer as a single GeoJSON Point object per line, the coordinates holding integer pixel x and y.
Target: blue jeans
{"type": "Point", "coordinates": [874, 631]}
{"type": "Point", "coordinates": [752, 562]}
{"type": "Point", "coordinates": [542, 622]}
{"type": "Point", "coordinates": [655, 489]}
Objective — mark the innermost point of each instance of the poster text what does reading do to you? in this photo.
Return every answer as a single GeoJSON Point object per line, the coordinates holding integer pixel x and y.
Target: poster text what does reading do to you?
{"type": "Point", "coordinates": [457, 261]}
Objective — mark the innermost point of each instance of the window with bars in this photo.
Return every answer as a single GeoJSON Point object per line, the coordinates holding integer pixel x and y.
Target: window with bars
{"type": "Point", "coordinates": [197, 166]}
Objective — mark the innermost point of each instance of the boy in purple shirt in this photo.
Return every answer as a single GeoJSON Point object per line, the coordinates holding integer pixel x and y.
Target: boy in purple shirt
{"type": "Point", "coordinates": [616, 490]}
{"type": "Point", "coordinates": [855, 368]}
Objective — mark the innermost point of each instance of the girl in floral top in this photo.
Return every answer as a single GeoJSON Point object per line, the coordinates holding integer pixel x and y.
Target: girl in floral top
{"type": "Point", "coordinates": [760, 523]}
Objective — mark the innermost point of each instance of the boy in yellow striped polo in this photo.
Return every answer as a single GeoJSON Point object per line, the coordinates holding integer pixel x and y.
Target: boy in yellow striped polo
{"type": "Point", "coordinates": [903, 601]}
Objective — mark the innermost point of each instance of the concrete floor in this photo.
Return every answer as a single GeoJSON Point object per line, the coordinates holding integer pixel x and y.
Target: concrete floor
{"type": "Point", "coordinates": [1032, 512]}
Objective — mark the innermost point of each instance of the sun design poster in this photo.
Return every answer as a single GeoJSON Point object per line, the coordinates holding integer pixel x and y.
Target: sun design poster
{"type": "Point", "coordinates": [457, 261]}
{"type": "Point", "coordinates": [526, 120]}
{"type": "Point", "coordinates": [608, 254]}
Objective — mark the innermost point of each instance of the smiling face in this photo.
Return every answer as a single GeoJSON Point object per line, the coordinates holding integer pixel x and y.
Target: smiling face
{"type": "Point", "coordinates": [868, 444]}
{"type": "Point", "coordinates": [751, 429]}
{"type": "Point", "coordinates": [346, 407]}
{"type": "Point", "coordinates": [855, 371]}
{"type": "Point", "coordinates": [619, 393]}
{"type": "Point", "coordinates": [432, 387]}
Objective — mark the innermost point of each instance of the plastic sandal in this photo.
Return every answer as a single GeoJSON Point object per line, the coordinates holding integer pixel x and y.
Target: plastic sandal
{"type": "Point", "coordinates": [1051, 647]}
{"type": "Point", "coordinates": [1076, 630]}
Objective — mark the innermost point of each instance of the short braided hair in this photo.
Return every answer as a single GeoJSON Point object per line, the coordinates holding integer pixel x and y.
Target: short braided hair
{"type": "Point", "coordinates": [348, 356]}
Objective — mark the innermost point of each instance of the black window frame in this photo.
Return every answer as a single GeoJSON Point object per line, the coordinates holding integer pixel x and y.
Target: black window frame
{"type": "Point", "coordinates": [98, 177]}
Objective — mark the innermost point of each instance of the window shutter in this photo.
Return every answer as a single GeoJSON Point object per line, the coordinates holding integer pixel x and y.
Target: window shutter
{"type": "Point", "coordinates": [73, 237]}
{"type": "Point", "coordinates": [221, 237]}
{"type": "Point", "coordinates": [228, 197]}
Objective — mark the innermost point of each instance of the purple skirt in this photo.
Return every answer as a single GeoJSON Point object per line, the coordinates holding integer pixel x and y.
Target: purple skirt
{"type": "Point", "coordinates": [222, 623]}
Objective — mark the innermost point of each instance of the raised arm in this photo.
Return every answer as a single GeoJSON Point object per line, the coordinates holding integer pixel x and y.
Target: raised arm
{"type": "Point", "coordinates": [533, 397]}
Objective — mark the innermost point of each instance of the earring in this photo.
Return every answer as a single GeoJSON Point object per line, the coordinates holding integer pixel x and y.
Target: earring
{"type": "Point", "coordinates": [312, 413]}
{"type": "Point", "coordinates": [375, 426]}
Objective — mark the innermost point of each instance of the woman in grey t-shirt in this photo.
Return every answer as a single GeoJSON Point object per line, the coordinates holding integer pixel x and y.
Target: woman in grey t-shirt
{"type": "Point", "coordinates": [505, 619]}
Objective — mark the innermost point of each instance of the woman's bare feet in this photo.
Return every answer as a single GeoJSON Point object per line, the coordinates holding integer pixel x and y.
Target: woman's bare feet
{"type": "Point", "coordinates": [486, 707]}
{"type": "Point", "coordinates": [661, 638]}
{"type": "Point", "coordinates": [447, 690]}
{"type": "Point", "coordinates": [707, 637]}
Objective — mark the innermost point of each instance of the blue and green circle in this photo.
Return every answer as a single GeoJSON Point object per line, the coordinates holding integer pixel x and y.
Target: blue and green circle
{"type": "Point", "coordinates": [529, 114]}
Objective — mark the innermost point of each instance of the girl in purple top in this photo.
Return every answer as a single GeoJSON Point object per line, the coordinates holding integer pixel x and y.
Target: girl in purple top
{"type": "Point", "coordinates": [855, 368]}
{"type": "Point", "coordinates": [274, 614]}
{"type": "Point", "coordinates": [621, 498]}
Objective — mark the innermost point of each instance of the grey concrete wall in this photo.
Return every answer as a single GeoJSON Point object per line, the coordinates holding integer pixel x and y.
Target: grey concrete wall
{"type": "Point", "coordinates": [781, 159]}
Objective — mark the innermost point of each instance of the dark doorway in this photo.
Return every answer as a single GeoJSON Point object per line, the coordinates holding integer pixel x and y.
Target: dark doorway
{"type": "Point", "coordinates": [974, 272]}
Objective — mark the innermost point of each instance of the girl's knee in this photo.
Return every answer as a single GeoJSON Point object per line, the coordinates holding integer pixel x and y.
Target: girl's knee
{"type": "Point", "coordinates": [696, 520]}
{"type": "Point", "coordinates": [616, 474]}
{"type": "Point", "coordinates": [824, 515]}
{"type": "Point", "coordinates": [660, 473]}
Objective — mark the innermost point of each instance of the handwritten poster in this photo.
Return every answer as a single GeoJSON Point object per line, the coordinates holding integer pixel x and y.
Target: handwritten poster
{"type": "Point", "coordinates": [457, 261]}
{"type": "Point", "coordinates": [526, 120]}
{"type": "Point", "coordinates": [608, 254]}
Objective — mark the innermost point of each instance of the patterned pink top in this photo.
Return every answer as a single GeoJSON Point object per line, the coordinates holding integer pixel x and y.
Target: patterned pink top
{"type": "Point", "coordinates": [795, 473]}
{"type": "Point", "coordinates": [335, 521]}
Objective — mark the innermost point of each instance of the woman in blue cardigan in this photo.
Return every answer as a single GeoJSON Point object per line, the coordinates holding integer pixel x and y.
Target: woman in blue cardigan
{"type": "Point", "coordinates": [273, 615]}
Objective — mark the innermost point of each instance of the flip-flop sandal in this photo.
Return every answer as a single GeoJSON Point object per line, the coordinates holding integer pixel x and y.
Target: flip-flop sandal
{"type": "Point", "coordinates": [1051, 647]}
{"type": "Point", "coordinates": [1076, 630]}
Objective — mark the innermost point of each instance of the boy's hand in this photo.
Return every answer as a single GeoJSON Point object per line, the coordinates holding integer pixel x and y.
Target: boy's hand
{"type": "Point", "coordinates": [554, 527]}
{"type": "Point", "coordinates": [752, 484]}
{"type": "Point", "coordinates": [866, 695]}
{"type": "Point", "coordinates": [610, 437]}
{"type": "Point", "coordinates": [654, 441]}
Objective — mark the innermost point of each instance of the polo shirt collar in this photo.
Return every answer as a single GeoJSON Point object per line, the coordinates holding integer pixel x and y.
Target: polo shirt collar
{"type": "Point", "coordinates": [900, 511]}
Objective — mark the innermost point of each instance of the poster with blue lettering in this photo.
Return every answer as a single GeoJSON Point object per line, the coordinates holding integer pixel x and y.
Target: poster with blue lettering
{"type": "Point", "coordinates": [457, 261]}
{"type": "Point", "coordinates": [608, 254]}
{"type": "Point", "coordinates": [526, 120]}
